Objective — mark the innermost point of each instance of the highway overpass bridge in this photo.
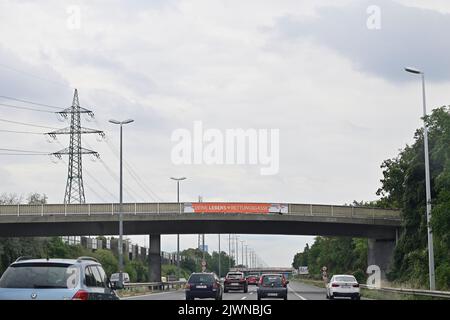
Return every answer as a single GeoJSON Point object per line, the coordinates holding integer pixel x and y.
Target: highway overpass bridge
{"type": "Point", "coordinates": [380, 226]}
{"type": "Point", "coordinates": [262, 270]}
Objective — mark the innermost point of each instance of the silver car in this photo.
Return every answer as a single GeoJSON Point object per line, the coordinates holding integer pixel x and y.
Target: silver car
{"type": "Point", "coordinates": [56, 279]}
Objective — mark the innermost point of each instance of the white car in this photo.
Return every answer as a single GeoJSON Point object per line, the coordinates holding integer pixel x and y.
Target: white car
{"type": "Point", "coordinates": [343, 286]}
{"type": "Point", "coordinates": [114, 279]}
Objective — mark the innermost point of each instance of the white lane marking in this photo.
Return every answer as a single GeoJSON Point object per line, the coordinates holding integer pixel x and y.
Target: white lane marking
{"type": "Point", "coordinates": [148, 295]}
{"type": "Point", "coordinates": [243, 298]}
{"type": "Point", "coordinates": [252, 292]}
{"type": "Point", "coordinates": [299, 296]}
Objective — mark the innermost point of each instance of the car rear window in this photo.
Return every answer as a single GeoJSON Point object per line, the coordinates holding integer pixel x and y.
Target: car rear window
{"type": "Point", "coordinates": [234, 275]}
{"type": "Point", "coordinates": [201, 278]}
{"type": "Point", "coordinates": [272, 280]}
{"type": "Point", "coordinates": [38, 276]}
{"type": "Point", "coordinates": [345, 279]}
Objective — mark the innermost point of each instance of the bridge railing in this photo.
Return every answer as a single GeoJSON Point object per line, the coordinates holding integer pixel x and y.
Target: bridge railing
{"type": "Point", "coordinates": [343, 211]}
{"type": "Point", "coordinates": [178, 208]}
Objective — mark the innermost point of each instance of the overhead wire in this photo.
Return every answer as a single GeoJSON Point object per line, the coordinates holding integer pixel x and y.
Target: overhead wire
{"type": "Point", "coordinates": [4, 105]}
{"type": "Point", "coordinates": [91, 189]}
{"type": "Point", "coordinates": [35, 76]}
{"type": "Point", "coordinates": [31, 102]}
{"type": "Point", "coordinates": [91, 176]}
{"type": "Point", "coordinates": [128, 189]}
{"type": "Point", "coordinates": [27, 124]}
{"type": "Point", "coordinates": [147, 190]}
{"type": "Point", "coordinates": [22, 132]}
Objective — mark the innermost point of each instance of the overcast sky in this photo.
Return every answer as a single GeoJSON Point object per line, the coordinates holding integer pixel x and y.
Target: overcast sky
{"type": "Point", "coordinates": [334, 88]}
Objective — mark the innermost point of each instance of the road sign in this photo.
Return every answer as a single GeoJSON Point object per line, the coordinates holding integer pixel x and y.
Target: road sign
{"type": "Point", "coordinates": [303, 270]}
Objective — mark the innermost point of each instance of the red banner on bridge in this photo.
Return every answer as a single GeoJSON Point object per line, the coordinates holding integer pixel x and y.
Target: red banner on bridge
{"type": "Point", "coordinates": [227, 207]}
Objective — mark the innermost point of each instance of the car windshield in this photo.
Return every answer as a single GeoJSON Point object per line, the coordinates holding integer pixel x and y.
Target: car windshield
{"type": "Point", "coordinates": [272, 281]}
{"type": "Point", "coordinates": [201, 278]}
{"type": "Point", "coordinates": [39, 276]}
{"type": "Point", "coordinates": [234, 275]}
{"type": "Point", "coordinates": [345, 279]}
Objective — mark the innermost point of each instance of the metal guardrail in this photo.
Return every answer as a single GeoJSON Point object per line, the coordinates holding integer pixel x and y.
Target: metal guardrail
{"type": "Point", "coordinates": [418, 292]}
{"type": "Point", "coordinates": [161, 284]}
{"type": "Point", "coordinates": [178, 208]}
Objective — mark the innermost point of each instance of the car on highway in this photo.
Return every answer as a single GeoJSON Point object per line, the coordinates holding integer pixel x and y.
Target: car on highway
{"type": "Point", "coordinates": [203, 285]}
{"type": "Point", "coordinates": [56, 279]}
{"type": "Point", "coordinates": [253, 279]}
{"type": "Point", "coordinates": [235, 281]}
{"type": "Point", "coordinates": [114, 279]}
{"type": "Point", "coordinates": [272, 286]}
{"type": "Point", "coordinates": [343, 286]}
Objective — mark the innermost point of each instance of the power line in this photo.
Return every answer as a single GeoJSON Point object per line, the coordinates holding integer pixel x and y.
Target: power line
{"type": "Point", "coordinates": [24, 108]}
{"type": "Point", "coordinates": [111, 173]}
{"type": "Point", "coordinates": [26, 124]}
{"type": "Point", "coordinates": [35, 76]}
{"type": "Point", "coordinates": [96, 181]}
{"type": "Point", "coordinates": [24, 132]}
{"type": "Point", "coordinates": [134, 175]}
{"type": "Point", "coordinates": [128, 189]}
{"type": "Point", "coordinates": [23, 154]}
{"type": "Point", "coordinates": [31, 102]}
{"type": "Point", "coordinates": [26, 151]}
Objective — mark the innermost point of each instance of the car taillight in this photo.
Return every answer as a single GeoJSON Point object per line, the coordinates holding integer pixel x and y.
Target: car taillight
{"type": "Point", "coordinates": [188, 286]}
{"type": "Point", "coordinates": [215, 285]}
{"type": "Point", "coordinates": [356, 285]}
{"type": "Point", "coordinates": [81, 295]}
{"type": "Point", "coordinates": [334, 285]}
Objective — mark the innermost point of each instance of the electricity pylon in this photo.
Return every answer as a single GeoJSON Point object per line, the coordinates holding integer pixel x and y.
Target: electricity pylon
{"type": "Point", "coordinates": [74, 187]}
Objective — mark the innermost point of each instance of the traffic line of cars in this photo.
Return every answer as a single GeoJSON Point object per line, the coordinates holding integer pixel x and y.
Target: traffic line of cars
{"type": "Point", "coordinates": [208, 285]}
{"type": "Point", "coordinates": [84, 279]}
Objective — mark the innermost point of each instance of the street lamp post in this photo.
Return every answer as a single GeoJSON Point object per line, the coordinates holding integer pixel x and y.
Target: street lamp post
{"type": "Point", "coordinates": [236, 243]}
{"type": "Point", "coordinates": [246, 256]}
{"type": "Point", "coordinates": [178, 235]}
{"type": "Point", "coordinates": [427, 182]}
{"type": "Point", "coordinates": [219, 258]}
{"type": "Point", "coordinates": [242, 252]}
{"type": "Point", "coordinates": [121, 123]}
{"type": "Point", "coordinates": [229, 252]}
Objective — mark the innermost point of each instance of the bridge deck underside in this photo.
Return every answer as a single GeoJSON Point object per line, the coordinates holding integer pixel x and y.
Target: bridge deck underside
{"type": "Point", "coordinates": [197, 223]}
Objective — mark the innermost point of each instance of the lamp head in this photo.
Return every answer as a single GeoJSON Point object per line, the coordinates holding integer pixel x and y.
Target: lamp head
{"type": "Point", "coordinates": [413, 70]}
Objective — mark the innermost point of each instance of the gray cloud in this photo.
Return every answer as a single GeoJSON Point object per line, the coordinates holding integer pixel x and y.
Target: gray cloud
{"type": "Point", "coordinates": [408, 37]}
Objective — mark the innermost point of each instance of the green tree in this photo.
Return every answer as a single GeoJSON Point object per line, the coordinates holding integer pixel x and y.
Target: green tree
{"type": "Point", "coordinates": [108, 260]}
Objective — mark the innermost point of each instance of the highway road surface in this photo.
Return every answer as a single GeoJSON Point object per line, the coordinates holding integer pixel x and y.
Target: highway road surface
{"type": "Point", "coordinates": [296, 291]}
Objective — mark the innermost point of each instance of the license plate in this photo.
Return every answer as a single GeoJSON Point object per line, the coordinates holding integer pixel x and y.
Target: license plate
{"type": "Point", "coordinates": [272, 295]}
{"type": "Point", "coordinates": [345, 287]}
{"type": "Point", "coordinates": [201, 287]}
{"type": "Point", "coordinates": [235, 284]}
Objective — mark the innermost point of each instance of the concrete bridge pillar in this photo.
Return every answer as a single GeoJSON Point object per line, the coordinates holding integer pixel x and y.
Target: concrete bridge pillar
{"type": "Point", "coordinates": [380, 253]}
{"type": "Point", "coordinates": [154, 258]}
